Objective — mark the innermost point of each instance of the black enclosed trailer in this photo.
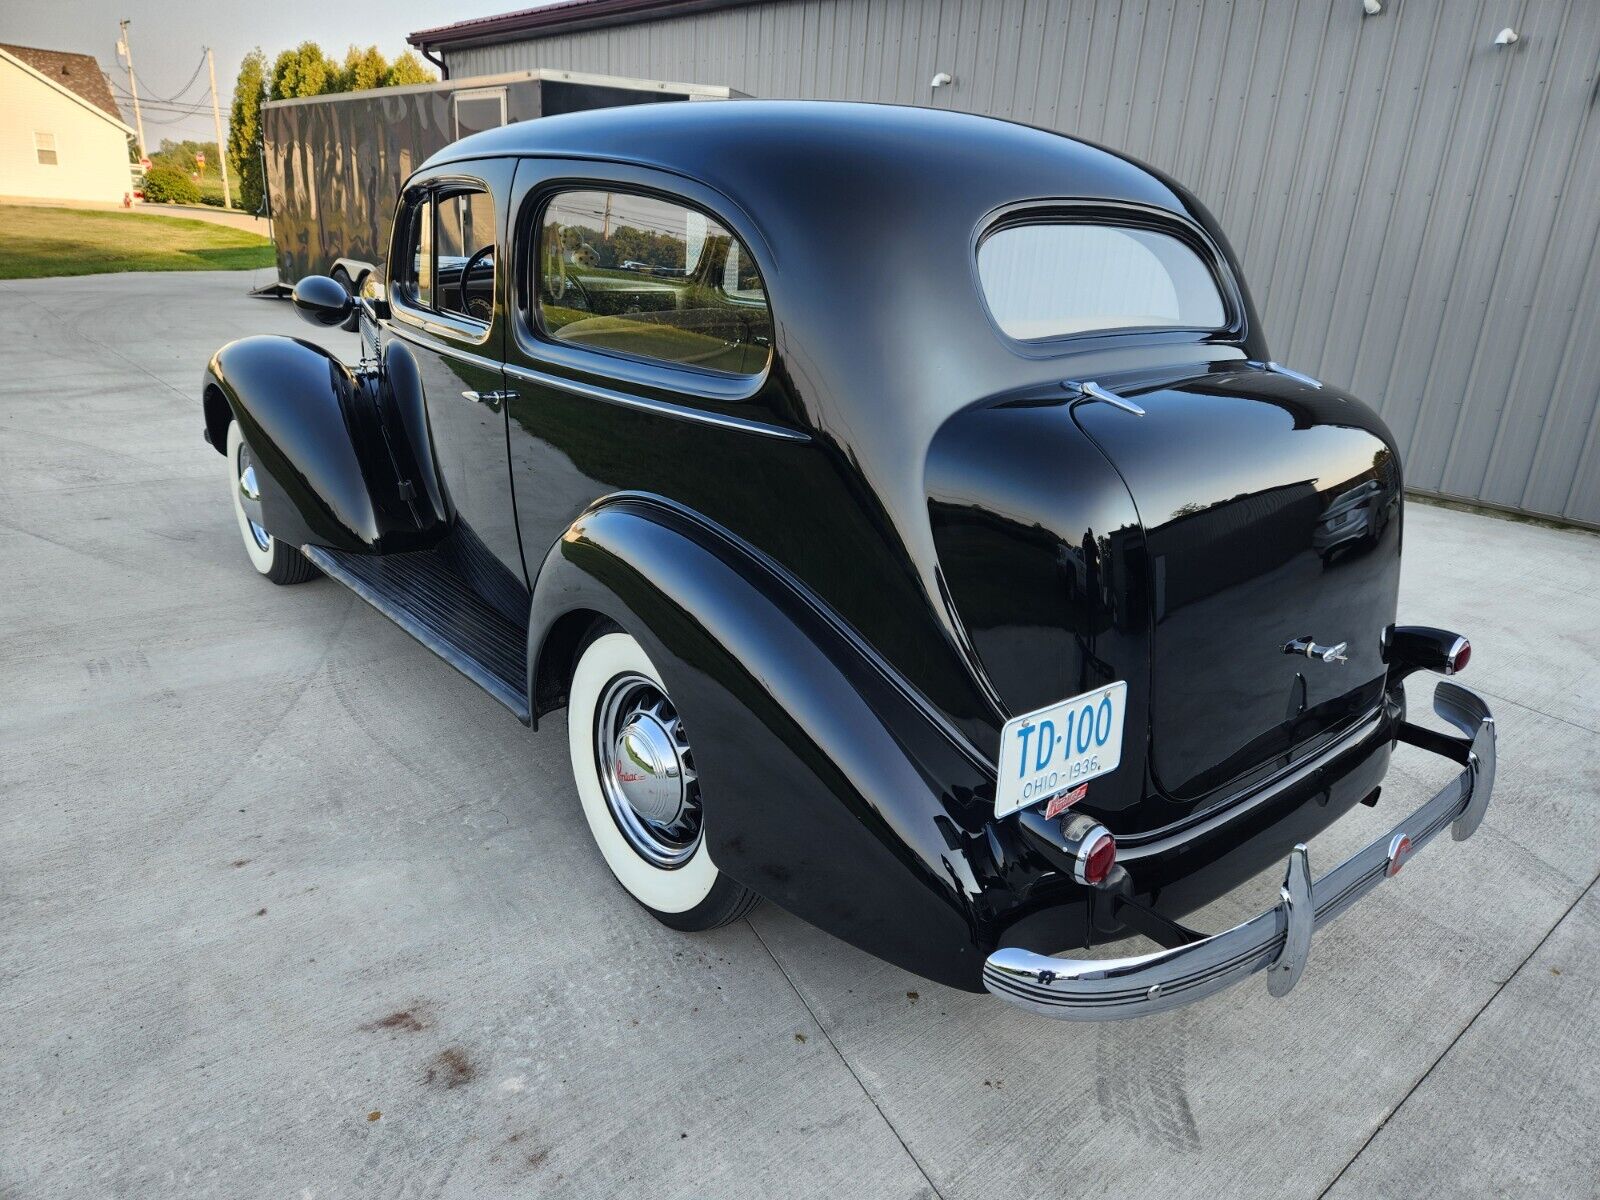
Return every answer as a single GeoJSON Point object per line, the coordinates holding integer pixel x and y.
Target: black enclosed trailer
{"type": "Point", "coordinates": [334, 164]}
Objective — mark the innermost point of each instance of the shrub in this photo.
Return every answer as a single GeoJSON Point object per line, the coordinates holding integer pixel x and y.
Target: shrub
{"type": "Point", "coordinates": [163, 185]}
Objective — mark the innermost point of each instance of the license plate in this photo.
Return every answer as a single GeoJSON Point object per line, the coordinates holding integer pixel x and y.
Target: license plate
{"type": "Point", "coordinates": [1054, 749]}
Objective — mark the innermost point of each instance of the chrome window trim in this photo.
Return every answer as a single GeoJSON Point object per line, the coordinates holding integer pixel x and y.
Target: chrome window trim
{"type": "Point", "coordinates": [659, 407]}
{"type": "Point", "coordinates": [441, 324]}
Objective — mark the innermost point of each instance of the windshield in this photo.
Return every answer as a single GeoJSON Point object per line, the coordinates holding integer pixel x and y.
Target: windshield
{"type": "Point", "coordinates": [1053, 279]}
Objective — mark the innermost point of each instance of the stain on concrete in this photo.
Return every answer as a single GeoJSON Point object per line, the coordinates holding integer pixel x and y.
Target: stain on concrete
{"type": "Point", "coordinates": [406, 1020]}
{"type": "Point", "coordinates": [450, 1069]}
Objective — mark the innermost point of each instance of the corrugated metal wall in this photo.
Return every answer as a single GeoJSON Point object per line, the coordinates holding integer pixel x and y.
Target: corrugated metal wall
{"type": "Point", "coordinates": [1418, 211]}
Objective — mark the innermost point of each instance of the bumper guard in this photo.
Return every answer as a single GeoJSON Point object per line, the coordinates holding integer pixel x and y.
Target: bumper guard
{"type": "Point", "coordinates": [1277, 941]}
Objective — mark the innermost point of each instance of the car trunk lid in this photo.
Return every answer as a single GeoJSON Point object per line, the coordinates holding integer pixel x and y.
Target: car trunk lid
{"type": "Point", "coordinates": [1270, 507]}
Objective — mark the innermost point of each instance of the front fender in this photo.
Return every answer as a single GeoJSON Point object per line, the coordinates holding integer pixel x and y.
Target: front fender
{"type": "Point", "coordinates": [340, 456]}
{"type": "Point", "coordinates": [828, 786]}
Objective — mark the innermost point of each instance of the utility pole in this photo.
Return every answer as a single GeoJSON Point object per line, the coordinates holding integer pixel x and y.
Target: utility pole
{"type": "Point", "coordinates": [133, 87]}
{"type": "Point", "coordinates": [216, 120]}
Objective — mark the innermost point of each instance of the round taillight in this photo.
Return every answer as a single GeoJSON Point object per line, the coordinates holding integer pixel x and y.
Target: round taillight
{"type": "Point", "coordinates": [1460, 655]}
{"type": "Point", "coordinates": [1097, 858]}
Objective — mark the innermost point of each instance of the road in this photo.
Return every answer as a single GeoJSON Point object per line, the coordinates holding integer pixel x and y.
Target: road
{"type": "Point", "coordinates": [288, 908]}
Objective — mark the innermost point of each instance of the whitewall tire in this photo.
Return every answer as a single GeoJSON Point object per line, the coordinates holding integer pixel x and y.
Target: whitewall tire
{"type": "Point", "coordinates": [278, 562]}
{"type": "Point", "coordinates": [635, 776]}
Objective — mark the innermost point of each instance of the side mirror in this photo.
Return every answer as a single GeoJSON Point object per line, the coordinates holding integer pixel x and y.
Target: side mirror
{"type": "Point", "coordinates": [322, 301]}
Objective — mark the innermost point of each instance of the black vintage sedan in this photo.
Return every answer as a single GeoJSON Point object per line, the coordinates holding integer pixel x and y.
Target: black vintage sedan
{"type": "Point", "coordinates": [907, 512]}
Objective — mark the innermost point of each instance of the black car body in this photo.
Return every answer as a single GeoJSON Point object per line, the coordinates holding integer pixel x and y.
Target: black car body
{"type": "Point", "coordinates": [863, 509]}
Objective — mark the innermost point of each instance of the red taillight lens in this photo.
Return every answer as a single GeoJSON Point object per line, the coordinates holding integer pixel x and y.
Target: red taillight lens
{"type": "Point", "coordinates": [1099, 858]}
{"type": "Point", "coordinates": [1460, 655]}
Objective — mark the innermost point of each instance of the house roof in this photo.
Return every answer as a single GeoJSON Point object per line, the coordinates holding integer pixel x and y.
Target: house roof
{"type": "Point", "coordinates": [77, 73]}
{"type": "Point", "coordinates": [562, 17]}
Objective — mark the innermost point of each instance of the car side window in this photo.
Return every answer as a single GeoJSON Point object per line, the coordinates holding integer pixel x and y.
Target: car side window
{"type": "Point", "coordinates": [464, 262]}
{"type": "Point", "coordinates": [646, 277]}
{"type": "Point", "coordinates": [413, 281]}
{"type": "Point", "coordinates": [449, 260]}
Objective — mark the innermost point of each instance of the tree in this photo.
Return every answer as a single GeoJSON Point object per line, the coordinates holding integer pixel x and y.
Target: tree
{"type": "Point", "coordinates": [183, 156]}
{"type": "Point", "coordinates": [408, 69]}
{"type": "Point", "coordinates": [305, 71]}
{"type": "Point", "coordinates": [364, 69]}
{"type": "Point", "coordinates": [244, 130]}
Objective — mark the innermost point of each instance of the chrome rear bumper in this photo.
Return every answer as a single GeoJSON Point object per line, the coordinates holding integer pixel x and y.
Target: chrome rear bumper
{"type": "Point", "coordinates": [1279, 940]}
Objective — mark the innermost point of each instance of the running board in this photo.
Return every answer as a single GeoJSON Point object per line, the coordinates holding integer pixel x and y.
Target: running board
{"type": "Point", "coordinates": [424, 593]}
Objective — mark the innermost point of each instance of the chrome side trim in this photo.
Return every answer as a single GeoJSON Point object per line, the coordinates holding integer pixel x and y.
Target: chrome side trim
{"type": "Point", "coordinates": [416, 338]}
{"type": "Point", "coordinates": [1280, 369]}
{"type": "Point", "coordinates": [1158, 841]}
{"type": "Point", "coordinates": [659, 407]}
{"type": "Point", "coordinates": [1090, 390]}
{"type": "Point", "coordinates": [1277, 940]}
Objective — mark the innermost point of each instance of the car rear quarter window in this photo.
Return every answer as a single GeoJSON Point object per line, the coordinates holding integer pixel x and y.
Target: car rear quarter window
{"type": "Point", "coordinates": [649, 278]}
{"type": "Point", "coordinates": [1057, 278]}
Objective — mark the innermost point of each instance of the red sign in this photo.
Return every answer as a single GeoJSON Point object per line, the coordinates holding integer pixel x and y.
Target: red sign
{"type": "Point", "coordinates": [144, 164]}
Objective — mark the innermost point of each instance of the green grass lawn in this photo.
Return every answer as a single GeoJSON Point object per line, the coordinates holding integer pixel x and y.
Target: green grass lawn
{"type": "Point", "coordinates": [35, 242]}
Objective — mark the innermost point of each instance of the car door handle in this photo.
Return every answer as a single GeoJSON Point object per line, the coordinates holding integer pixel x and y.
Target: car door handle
{"type": "Point", "coordinates": [493, 399]}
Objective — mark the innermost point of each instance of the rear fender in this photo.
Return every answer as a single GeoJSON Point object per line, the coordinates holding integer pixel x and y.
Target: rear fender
{"type": "Point", "coordinates": [342, 457]}
{"type": "Point", "coordinates": [828, 786]}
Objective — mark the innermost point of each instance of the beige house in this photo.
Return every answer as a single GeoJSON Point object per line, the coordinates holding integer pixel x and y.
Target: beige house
{"type": "Point", "coordinates": [61, 135]}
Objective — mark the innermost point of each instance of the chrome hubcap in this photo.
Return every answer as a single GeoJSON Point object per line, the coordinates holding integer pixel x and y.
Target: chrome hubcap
{"type": "Point", "coordinates": [250, 497]}
{"type": "Point", "coordinates": [647, 771]}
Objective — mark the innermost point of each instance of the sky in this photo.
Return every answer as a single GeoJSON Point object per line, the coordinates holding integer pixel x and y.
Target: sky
{"type": "Point", "coordinates": [168, 39]}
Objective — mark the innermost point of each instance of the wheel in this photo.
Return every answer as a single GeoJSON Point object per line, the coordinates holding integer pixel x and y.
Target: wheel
{"type": "Point", "coordinates": [278, 562]}
{"type": "Point", "coordinates": [636, 779]}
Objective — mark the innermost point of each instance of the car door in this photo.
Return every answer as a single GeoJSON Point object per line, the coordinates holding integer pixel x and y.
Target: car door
{"type": "Point", "coordinates": [447, 283]}
{"type": "Point", "coordinates": [639, 347]}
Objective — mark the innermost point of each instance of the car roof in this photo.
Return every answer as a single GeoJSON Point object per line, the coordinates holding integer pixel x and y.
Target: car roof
{"type": "Point", "coordinates": [741, 147]}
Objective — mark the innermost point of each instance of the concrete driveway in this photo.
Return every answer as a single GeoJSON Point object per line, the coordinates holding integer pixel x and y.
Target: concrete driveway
{"type": "Point", "coordinates": [289, 908]}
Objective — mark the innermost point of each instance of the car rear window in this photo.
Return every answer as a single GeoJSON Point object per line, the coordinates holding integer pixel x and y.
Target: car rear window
{"type": "Point", "coordinates": [645, 277]}
{"type": "Point", "coordinates": [1058, 278]}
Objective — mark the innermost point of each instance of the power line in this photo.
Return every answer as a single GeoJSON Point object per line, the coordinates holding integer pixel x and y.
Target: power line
{"type": "Point", "coordinates": [176, 95]}
{"type": "Point", "coordinates": [180, 106]}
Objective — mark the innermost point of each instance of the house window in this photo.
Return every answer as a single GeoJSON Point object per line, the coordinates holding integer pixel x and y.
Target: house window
{"type": "Point", "coordinates": [44, 145]}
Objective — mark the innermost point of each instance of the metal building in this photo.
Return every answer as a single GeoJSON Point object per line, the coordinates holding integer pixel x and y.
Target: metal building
{"type": "Point", "coordinates": [1415, 193]}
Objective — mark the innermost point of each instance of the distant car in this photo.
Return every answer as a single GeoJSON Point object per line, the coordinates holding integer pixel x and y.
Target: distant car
{"type": "Point", "coordinates": [1356, 517]}
{"type": "Point", "coordinates": [939, 556]}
